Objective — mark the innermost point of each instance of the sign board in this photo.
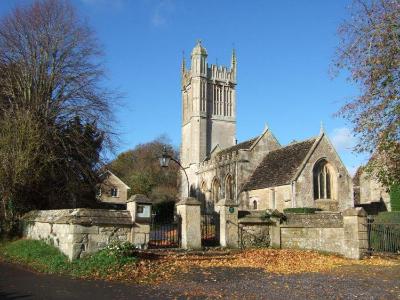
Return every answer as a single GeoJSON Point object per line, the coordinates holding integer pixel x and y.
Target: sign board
{"type": "Point", "coordinates": [143, 211]}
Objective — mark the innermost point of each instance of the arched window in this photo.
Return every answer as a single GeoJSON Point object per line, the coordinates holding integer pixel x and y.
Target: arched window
{"type": "Point", "coordinates": [255, 204]}
{"type": "Point", "coordinates": [323, 184]}
{"type": "Point", "coordinates": [192, 192]}
{"type": "Point", "coordinates": [229, 192]}
{"type": "Point", "coordinates": [215, 190]}
{"type": "Point", "coordinates": [203, 191]}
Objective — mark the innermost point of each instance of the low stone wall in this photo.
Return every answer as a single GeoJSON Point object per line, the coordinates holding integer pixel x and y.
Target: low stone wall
{"type": "Point", "coordinates": [342, 233]}
{"type": "Point", "coordinates": [320, 231]}
{"type": "Point", "coordinates": [315, 220]}
{"type": "Point", "coordinates": [254, 230]}
{"type": "Point", "coordinates": [78, 232]}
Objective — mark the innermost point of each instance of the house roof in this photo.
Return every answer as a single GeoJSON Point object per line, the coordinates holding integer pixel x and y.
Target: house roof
{"type": "Point", "coordinates": [109, 173]}
{"type": "Point", "coordinates": [241, 146]}
{"type": "Point", "coordinates": [279, 166]}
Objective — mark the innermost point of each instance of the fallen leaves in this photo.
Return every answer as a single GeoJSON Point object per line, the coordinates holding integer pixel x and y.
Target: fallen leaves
{"type": "Point", "coordinates": [168, 265]}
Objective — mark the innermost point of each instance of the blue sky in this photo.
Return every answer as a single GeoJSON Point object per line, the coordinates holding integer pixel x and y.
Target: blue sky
{"type": "Point", "coordinates": [284, 50]}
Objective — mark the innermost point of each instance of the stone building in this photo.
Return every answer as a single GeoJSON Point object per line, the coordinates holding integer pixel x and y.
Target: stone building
{"type": "Point", "coordinates": [259, 173]}
{"type": "Point", "coordinates": [112, 189]}
{"type": "Point", "coordinates": [368, 190]}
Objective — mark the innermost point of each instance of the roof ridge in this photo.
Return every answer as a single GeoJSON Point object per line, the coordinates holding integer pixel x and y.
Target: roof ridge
{"type": "Point", "coordinates": [293, 144]}
{"type": "Point", "coordinates": [252, 140]}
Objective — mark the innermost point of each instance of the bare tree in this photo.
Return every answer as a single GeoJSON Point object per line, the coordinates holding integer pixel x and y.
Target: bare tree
{"type": "Point", "coordinates": [370, 51]}
{"type": "Point", "coordinates": [51, 73]}
{"type": "Point", "coordinates": [52, 63]}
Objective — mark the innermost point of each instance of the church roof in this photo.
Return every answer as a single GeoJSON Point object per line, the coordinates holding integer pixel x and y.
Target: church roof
{"type": "Point", "coordinates": [241, 146]}
{"type": "Point", "coordinates": [279, 166]}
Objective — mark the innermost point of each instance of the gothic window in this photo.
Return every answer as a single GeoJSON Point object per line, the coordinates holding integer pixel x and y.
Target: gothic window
{"type": "Point", "coordinates": [216, 187]}
{"type": "Point", "coordinates": [254, 204]}
{"type": "Point", "coordinates": [322, 176]}
{"type": "Point", "coordinates": [229, 191]}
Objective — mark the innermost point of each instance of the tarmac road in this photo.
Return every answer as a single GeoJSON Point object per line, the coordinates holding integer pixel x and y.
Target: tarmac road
{"type": "Point", "coordinates": [351, 282]}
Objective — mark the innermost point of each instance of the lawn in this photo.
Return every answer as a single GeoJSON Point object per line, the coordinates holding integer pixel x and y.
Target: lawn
{"type": "Point", "coordinates": [42, 257]}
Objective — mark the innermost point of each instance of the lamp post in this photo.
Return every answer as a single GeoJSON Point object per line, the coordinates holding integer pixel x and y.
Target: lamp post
{"type": "Point", "coordinates": [164, 162]}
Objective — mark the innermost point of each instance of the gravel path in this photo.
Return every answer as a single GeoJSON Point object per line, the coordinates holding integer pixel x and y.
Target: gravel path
{"type": "Point", "coordinates": [352, 282]}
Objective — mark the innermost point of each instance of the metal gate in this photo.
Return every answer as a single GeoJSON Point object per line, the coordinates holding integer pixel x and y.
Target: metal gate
{"type": "Point", "coordinates": [210, 229]}
{"type": "Point", "coordinates": [383, 237]}
{"type": "Point", "coordinates": [165, 235]}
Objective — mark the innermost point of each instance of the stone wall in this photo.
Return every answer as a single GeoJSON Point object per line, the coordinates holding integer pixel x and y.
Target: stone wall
{"type": "Point", "coordinates": [342, 233]}
{"type": "Point", "coordinates": [321, 232]}
{"type": "Point", "coordinates": [79, 232]}
{"type": "Point", "coordinates": [254, 235]}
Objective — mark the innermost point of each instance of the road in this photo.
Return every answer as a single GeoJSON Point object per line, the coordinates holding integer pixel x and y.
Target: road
{"type": "Point", "coordinates": [351, 282]}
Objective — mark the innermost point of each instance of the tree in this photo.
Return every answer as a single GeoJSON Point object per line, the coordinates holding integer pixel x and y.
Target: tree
{"type": "Point", "coordinates": [21, 160]}
{"type": "Point", "coordinates": [139, 168]}
{"type": "Point", "coordinates": [54, 105]}
{"type": "Point", "coordinates": [370, 51]}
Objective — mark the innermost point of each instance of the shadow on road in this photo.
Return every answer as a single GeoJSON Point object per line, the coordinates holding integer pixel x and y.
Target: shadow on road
{"type": "Point", "coordinates": [5, 295]}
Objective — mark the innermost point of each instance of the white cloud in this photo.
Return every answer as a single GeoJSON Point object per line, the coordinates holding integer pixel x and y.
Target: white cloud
{"type": "Point", "coordinates": [343, 139]}
{"type": "Point", "coordinates": [162, 12]}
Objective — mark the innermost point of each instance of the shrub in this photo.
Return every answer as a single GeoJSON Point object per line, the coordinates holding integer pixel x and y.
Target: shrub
{"type": "Point", "coordinates": [104, 261]}
{"type": "Point", "coordinates": [388, 217]}
{"type": "Point", "coordinates": [395, 197]}
{"type": "Point", "coordinates": [272, 213]}
{"type": "Point", "coordinates": [301, 210]}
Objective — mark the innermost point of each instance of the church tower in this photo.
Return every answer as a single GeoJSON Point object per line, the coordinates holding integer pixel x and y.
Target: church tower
{"type": "Point", "coordinates": [208, 110]}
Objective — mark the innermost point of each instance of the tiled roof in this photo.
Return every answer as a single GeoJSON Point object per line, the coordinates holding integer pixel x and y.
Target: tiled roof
{"type": "Point", "coordinates": [279, 166]}
{"type": "Point", "coordinates": [243, 145]}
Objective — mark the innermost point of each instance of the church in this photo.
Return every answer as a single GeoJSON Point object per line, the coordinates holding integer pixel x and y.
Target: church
{"type": "Point", "coordinates": [259, 173]}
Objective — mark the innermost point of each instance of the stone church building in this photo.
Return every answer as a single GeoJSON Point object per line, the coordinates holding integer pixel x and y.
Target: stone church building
{"type": "Point", "coordinates": [259, 173]}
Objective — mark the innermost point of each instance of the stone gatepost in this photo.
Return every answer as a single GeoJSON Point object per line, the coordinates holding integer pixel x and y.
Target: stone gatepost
{"type": "Point", "coordinates": [139, 207]}
{"type": "Point", "coordinates": [189, 211]}
{"type": "Point", "coordinates": [275, 232]}
{"type": "Point", "coordinates": [228, 222]}
{"type": "Point", "coordinates": [355, 242]}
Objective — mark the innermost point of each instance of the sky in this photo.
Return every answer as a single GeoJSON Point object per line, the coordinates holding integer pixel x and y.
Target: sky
{"type": "Point", "coordinates": [284, 53]}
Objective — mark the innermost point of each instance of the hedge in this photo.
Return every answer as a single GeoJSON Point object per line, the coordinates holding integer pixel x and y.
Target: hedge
{"type": "Point", "coordinates": [388, 217]}
{"type": "Point", "coordinates": [301, 210]}
{"type": "Point", "coordinates": [395, 197]}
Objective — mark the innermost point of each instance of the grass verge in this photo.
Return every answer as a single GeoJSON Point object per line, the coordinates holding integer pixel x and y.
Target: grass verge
{"type": "Point", "coordinates": [45, 258]}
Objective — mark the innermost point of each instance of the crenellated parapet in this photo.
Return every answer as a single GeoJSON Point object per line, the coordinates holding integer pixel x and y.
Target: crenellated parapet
{"type": "Point", "coordinates": [222, 73]}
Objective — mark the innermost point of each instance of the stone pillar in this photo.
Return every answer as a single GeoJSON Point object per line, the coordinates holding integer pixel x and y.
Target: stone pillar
{"type": "Point", "coordinates": [189, 211]}
{"type": "Point", "coordinates": [228, 222]}
{"type": "Point", "coordinates": [355, 242]}
{"type": "Point", "coordinates": [140, 233]}
{"type": "Point", "coordinates": [275, 232]}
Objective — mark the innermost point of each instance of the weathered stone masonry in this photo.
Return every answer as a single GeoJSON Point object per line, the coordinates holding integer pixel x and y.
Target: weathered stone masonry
{"type": "Point", "coordinates": [79, 232]}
